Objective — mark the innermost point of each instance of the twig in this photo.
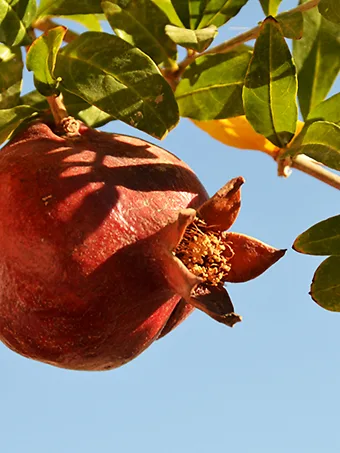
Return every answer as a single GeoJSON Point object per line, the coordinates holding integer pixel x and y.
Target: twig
{"type": "Point", "coordinates": [67, 124]}
{"type": "Point", "coordinates": [253, 33]}
{"type": "Point", "coordinates": [307, 165]}
{"type": "Point", "coordinates": [227, 46]}
{"type": "Point", "coordinates": [48, 24]}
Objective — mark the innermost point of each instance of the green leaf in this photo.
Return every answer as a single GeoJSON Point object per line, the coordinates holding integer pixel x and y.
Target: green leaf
{"type": "Point", "coordinates": [196, 14]}
{"type": "Point", "coordinates": [11, 67]}
{"type": "Point", "coordinates": [167, 7]}
{"type": "Point", "coordinates": [217, 12]}
{"type": "Point", "coordinates": [328, 110]}
{"type": "Point", "coordinates": [211, 87]}
{"type": "Point", "coordinates": [10, 119]}
{"type": "Point", "coordinates": [94, 117]}
{"type": "Point", "coordinates": [42, 57]}
{"type": "Point", "coordinates": [325, 289]}
{"type": "Point", "coordinates": [90, 21]}
{"type": "Point", "coordinates": [321, 141]}
{"type": "Point", "coordinates": [269, 92]}
{"type": "Point", "coordinates": [120, 80]}
{"type": "Point", "coordinates": [321, 239]}
{"type": "Point", "coordinates": [182, 9]}
{"type": "Point", "coordinates": [317, 58]}
{"type": "Point", "coordinates": [68, 7]}
{"type": "Point", "coordinates": [142, 24]}
{"type": "Point", "coordinates": [330, 10]}
{"type": "Point", "coordinates": [270, 7]}
{"type": "Point", "coordinates": [198, 40]}
{"type": "Point", "coordinates": [291, 24]}
{"type": "Point", "coordinates": [35, 100]}
{"type": "Point", "coordinates": [15, 18]}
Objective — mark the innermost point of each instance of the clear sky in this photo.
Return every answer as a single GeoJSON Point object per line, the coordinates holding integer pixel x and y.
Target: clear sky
{"type": "Point", "coordinates": [269, 385]}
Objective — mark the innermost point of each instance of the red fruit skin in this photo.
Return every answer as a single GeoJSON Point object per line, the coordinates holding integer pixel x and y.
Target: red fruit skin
{"type": "Point", "coordinates": [80, 282]}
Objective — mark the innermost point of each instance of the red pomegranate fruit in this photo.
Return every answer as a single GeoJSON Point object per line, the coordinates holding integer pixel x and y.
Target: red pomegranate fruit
{"type": "Point", "coordinates": [107, 243]}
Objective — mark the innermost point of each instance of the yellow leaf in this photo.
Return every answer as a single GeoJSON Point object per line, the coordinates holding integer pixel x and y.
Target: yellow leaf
{"type": "Point", "coordinates": [238, 132]}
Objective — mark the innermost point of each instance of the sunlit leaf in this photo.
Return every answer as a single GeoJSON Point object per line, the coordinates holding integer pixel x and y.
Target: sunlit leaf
{"type": "Point", "coordinates": [330, 10]}
{"type": "Point", "coordinates": [328, 110]}
{"type": "Point", "coordinates": [317, 58]}
{"type": "Point", "coordinates": [15, 18]}
{"type": "Point", "coordinates": [10, 119]}
{"type": "Point", "coordinates": [90, 21]}
{"type": "Point", "coordinates": [321, 239]}
{"type": "Point", "coordinates": [270, 7]}
{"type": "Point", "coordinates": [11, 66]}
{"type": "Point", "coordinates": [68, 7]}
{"type": "Point", "coordinates": [142, 24]}
{"type": "Point", "coordinates": [120, 80]}
{"type": "Point", "coordinates": [211, 87]}
{"type": "Point", "coordinates": [75, 106]}
{"type": "Point", "coordinates": [217, 12]}
{"type": "Point", "coordinates": [196, 14]}
{"type": "Point", "coordinates": [198, 40]}
{"type": "Point", "coordinates": [167, 7]}
{"type": "Point", "coordinates": [325, 289]}
{"type": "Point", "coordinates": [269, 92]}
{"type": "Point", "coordinates": [41, 59]}
{"type": "Point", "coordinates": [321, 141]}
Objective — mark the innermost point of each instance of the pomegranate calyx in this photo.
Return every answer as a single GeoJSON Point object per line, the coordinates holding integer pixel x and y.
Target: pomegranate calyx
{"type": "Point", "coordinates": [251, 257]}
{"type": "Point", "coordinates": [222, 209]}
{"type": "Point", "coordinates": [215, 302]}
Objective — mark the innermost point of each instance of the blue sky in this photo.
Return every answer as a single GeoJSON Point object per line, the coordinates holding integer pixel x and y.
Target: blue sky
{"type": "Point", "coordinates": [269, 385]}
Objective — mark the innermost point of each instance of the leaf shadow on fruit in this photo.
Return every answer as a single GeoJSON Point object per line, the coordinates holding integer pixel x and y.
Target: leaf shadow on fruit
{"type": "Point", "coordinates": [88, 175]}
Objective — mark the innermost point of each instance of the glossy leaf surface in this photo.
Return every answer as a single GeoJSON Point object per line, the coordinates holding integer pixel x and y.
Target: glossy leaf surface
{"type": "Point", "coordinates": [325, 289]}
{"type": "Point", "coordinates": [198, 40]}
{"type": "Point", "coordinates": [41, 59]}
{"type": "Point", "coordinates": [321, 141]}
{"type": "Point", "coordinates": [321, 239]}
{"type": "Point", "coordinates": [142, 24]}
{"type": "Point", "coordinates": [269, 92]}
{"type": "Point", "coordinates": [211, 87]}
{"type": "Point", "coordinates": [11, 66]}
{"type": "Point", "coordinates": [120, 80]}
{"type": "Point", "coordinates": [317, 58]}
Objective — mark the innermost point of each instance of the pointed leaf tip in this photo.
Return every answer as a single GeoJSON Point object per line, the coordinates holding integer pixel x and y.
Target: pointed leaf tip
{"type": "Point", "coordinates": [251, 257]}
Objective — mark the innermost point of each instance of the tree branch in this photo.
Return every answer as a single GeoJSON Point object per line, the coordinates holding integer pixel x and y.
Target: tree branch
{"type": "Point", "coordinates": [318, 171]}
{"type": "Point", "coordinates": [227, 46]}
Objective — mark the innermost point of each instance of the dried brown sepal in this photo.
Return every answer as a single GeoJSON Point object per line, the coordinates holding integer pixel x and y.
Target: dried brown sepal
{"type": "Point", "coordinates": [221, 210]}
{"type": "Point", "coordinates": [251, 257]}
{"type": "Point", "coordinates": [171, 235]}
{"type": "Point", "coordinates": [215, 302]}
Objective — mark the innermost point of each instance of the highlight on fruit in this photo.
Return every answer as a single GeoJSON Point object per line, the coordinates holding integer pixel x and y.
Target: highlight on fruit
{"type": "Point", "coordinates": [108, 243]}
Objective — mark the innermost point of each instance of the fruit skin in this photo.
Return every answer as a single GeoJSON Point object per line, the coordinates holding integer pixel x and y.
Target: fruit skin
{"type": "Point", "coordinates": [80, 282]}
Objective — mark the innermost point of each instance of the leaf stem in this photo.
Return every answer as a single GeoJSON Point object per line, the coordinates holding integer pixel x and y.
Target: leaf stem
{"type": "Point", "coordinates": [307, 165]}
{"type": "Point", "coordinates": [63, 121]}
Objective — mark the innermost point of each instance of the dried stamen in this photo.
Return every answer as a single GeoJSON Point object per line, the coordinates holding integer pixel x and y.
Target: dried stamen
{"type": "Point", "coordinates": [205, 252]}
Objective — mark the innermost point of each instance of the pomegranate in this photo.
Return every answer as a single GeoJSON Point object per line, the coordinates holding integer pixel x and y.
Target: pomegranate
{"type": "Point", "coordinates": [109, 242]}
